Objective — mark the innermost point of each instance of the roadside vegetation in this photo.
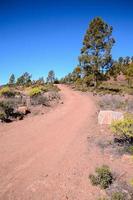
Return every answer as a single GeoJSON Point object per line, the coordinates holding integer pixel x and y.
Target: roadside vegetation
{"type": "Point", "coordinates": [23, 96]}
{"type": "Point", "coordinates": [111, 81]}
{"type": "Point", "coordinates": [109, 181]}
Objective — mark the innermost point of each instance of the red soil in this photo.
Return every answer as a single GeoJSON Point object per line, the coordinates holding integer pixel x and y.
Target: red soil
{"type": "Point", "coordinates": [47, 158]}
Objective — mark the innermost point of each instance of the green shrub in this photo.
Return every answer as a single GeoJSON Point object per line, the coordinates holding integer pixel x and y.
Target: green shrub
{"type": "Point", "coordinates": [103, 177]}
{"type": "Point", "coordinates": [8, 112]}
{"type": "Point", "coordinates": [118, 196]}
{"type": "Point", "coordinates": [109, 88]}
{"type": "Point", "coordinates": [35, 91]}
{"type": "Point", "coordinates": [131, 183]}
{"type": "Point", "coordinates": [2, 115]}
{"type": "Point", "coordinates": [130, 149]}
{"type": "Point", "coordinates": [123, 128]}
{"type": "Point", "coordinates": [7, 92]}
{"type": "Point", "coordinates": [50, 87]}
{"type": "Point", "coordinates": [94, 179]}
{"type": "Point", "coordinates": [78, 81]}
{"type": "Point", "coordinates": [88, 80]}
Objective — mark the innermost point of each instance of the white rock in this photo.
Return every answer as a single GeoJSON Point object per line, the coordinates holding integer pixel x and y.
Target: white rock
{"type": "Point", "coordinates": [107, 116]}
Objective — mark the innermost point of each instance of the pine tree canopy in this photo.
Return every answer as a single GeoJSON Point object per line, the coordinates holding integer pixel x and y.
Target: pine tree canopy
{"type": "Point", "coordinates": [97, 45]}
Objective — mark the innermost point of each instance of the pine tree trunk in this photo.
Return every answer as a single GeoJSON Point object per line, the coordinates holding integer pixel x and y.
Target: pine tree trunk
{"type": "Point", "coordinates": [95, 81]}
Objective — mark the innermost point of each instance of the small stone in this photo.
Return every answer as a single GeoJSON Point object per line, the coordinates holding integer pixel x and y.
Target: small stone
{"type": "Point", "coordinates": [111, 158]}
{"type": "Point", "coordinates": [126, 158]}
{"type": "Point", "coordinates": [23, 109]}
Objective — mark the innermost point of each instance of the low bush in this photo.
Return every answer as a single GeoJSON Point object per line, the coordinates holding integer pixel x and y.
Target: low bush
{"type": "Point", "coordinates": [2, 115]}
{"type": "Point", "coordinates": [129, 149]}
{"type": "Point", "coordinates": [116, 102]}
{"type": "Point", "coordinates": [39, 100]}
{"type": "Point", "coordinates": [50, 87]}
{"type": "Point", "coordinates": [113, 102]}
{"type": "Point", "coordinates": [7, 111]}
{"type": "Point", "coordinates": [114, 196]}
{"type": "Point", "coordinates": [44, 99]}
{"type": "Point", "coordinates": [6, 107]}
{"type": "Point", "coordinates": [103, 177]}
{"type": "Point", "coordinates": [35, 91]}
{"type": "Point", "coordinates": [7, 92]}
{"type": "Point", "coordinates": [123, 128]}
{"type": "Point", "coordinates": [88, 80]}
{"type": "Point", "coordinates": [78, 82]}
{"type": "Point", "coordinates": [118, 196]}
{"type": "Point", "coordinates": [131, 182]}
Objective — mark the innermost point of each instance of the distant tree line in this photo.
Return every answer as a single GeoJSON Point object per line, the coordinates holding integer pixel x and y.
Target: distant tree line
{"type": "Point", "coordinates": [25, 79]}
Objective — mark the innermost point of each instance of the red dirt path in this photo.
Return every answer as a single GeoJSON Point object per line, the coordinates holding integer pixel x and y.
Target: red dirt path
{"type": "Point", "coordinates": [46, 157]}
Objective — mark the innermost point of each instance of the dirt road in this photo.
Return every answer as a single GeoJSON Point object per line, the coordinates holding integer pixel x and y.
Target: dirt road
{"type": "Point", "coordinates": [46, 157]}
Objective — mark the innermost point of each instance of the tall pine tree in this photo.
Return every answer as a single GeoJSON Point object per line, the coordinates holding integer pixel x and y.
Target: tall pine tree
{"type": "Point", "coordinates": [96, 52]}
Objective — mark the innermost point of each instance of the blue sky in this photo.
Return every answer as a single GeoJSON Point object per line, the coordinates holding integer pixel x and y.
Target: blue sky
{"type": "Point", "coordinates": [39, 35]}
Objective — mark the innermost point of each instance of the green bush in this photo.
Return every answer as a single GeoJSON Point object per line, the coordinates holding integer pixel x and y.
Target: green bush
{"type": "Point", "coordinates": [50, 87]}
{"type": "Point", "coordinates": [8, 112]}
{"type": "Point", "coordinates": [35, 91]}
{"type": "Point", "coordinates": [7, 92]}
{"type": "Point", "coordinates": [123, 128]}
{"type": "Point", "coordinates": [2, 115]}
{"type": "Point", "coordinates": [88, 80]}
{"type": "Point", "coordinates": [131, 183]}
{"type": "Point", "coordinates": [130, 149]}
{"type": "Point", "coordinates": [103, 177]}
{"type": "Point", "coordinates": [118, 196]}
{"type": "Point", "coordinates": [114, 196]}
{"type": "Point", "coordinates": [78, 81]}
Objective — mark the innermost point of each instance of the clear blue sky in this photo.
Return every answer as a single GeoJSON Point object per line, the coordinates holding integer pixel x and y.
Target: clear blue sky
{"type": "Point", "coordinates": [39, 35]}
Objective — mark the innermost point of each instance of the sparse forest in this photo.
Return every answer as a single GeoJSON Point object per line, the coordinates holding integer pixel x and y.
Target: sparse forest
{"type": "Point", "coordinates": [18, 97]}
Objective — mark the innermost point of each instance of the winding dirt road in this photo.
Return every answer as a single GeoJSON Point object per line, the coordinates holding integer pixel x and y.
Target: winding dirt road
{"type": "Point", "coordinates": [46, 157]}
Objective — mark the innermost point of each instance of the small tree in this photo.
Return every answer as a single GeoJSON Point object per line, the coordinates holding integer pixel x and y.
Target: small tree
{"type": "Point", "coordinates": [115, 70]}
{"type": "Point", "coordinates": [127, 60]}
{"type": "Point", "coordinates": [25, 79]}
{"type": "Point", "coordinates": [12, 79]}
{"type": "Point", "coordinates": [51, 77]}
{"type": "Point", "coordinates": [129, 74]}
{"type": "Point", "coordinates": [96, 51]}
